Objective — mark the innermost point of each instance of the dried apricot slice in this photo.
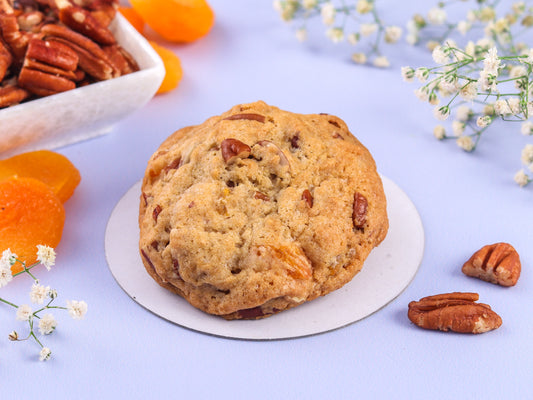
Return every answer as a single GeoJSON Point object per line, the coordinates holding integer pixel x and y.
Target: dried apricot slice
{"type": "Point", "coordinates": [133, 17]}
{"type": "Point", "coordinates": [176, 20]}
{"type": "Point", "coordinates": [30, 214]}
{"type": "Point", "coordinates": [47, 166]}
{"type": "Point", "coordinates": [173, 70]}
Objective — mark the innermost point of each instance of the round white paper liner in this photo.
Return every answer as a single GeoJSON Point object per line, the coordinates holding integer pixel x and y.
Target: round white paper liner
{"type": "Point", "coordinates": [386, 273]}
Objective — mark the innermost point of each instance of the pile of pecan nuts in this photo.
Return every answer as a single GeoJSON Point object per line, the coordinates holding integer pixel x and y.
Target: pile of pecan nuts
{"type": "Point", "coordinates": [497, 263]}
{"type": "Point", "coordinates": [51, 46]}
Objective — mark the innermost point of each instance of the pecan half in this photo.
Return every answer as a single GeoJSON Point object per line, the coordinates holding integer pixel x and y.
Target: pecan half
{"type": "Point", "coordinates": [233, 149]}
{"type": "Point", "coordinates": [308, 198]}
{"type": "Point", "coordinates": [11, 95]}
{"type": "Point", "coordinates": [457, 312]}
{"type": "Point", "coordinates": [43, 83]}
{"type": "Point", "coordinates": [248, 116]}
{"type": "Point", "coordinates": [82, 21]}
{"type": "Point", "coordinates": [360, 205]}
{"type": "Point", "coordinates": [5, 60]}
{"type": "Point", "coordinates": [497, 263]}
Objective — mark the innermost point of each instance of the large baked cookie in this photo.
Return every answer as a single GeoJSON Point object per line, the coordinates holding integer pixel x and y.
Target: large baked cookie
{"type": "Point", "coordinates": [259, 210]}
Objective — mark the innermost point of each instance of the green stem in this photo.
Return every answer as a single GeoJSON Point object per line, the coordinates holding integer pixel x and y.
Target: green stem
{"type": "Point", "coordinates": [8, 303]}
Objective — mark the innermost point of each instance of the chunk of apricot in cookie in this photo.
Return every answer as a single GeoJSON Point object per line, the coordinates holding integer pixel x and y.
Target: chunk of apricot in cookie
{"type": "Point", "coordinates": [30, 214]}
{"type": "Point", "coordinates": [49, 167]}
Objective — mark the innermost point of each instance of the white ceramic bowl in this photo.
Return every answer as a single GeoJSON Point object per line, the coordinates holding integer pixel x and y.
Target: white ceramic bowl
{"type": "Point", "coordinates": [85, 112]}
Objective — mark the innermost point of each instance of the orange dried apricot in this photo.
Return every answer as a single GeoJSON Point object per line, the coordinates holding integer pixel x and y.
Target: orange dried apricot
{"type": "Point", "coordinates": [173, 70]}
{"type": "Point", "coordinates": [133, 17]}
{"type": "Point", "coordinates": [176, 20]}
{"type": "Point", "coordinates": [47, 166]}
{"type": "Point", "coordinates": [30, 214]}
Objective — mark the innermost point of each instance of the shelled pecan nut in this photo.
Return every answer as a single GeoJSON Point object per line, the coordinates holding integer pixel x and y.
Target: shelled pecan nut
{"type": "Point", "coordinates": [11, 95]}
{"type": "Point", "coordinates": [497, 263]}
{"type": "Point", "coordinates": [233, 149]}
{"type": "Point", "coordinates": [457, 312]}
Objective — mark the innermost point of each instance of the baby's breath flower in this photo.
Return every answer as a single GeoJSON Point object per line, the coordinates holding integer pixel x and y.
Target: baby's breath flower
{"type": "Point", "coordinates": [488, 109]}
{"type": "Point", "coordinates": [309, 4]}
{"type": "Point", "coordinates": [46, 256]}
{"type": "Point", "coordinates": [514, 105]}
{"type": "Point", "coordinates": [363, 7]}
{"type": "Point", "coordinates": [483, 121]}
{"type": "Point", "coordinates": [393, 34]}
{"type": "Point", "coordinates": [24, 312]}
{"type": "Point", "coordinates": [518, 7]}
{"type": "Point", "coordinates": [76, 309]}
{"type": "Point", "coordinates": [487, 81]}
{"type": "Point", "coordinates": [468, 92]}
{"type": "Point", "coordinates": [286, 9]}
{"type": "Point", "coordinates": [466, 143]}
{"type": "Point", "coordinates": [441, 113]}
{"type": "Point", "coordinates": [47, 324]}
{"type": "Point", "coordinates": [458, 127]}
{"type": "Point", "coordinates": [463, 27]}
{"type": "Point", "coordinates": [13, 336]}
{"type": "Point", "coordinates": [440, 56]}
{"type": "Point", "coordinates": [521, 178]}
{"type": "Point", "coordinates": [328, 13]}
{"type": "Point", "coordinates": [437, 16]}
{"type": "Point", "coordinates": [301, 34]}
{"type": "Point", "coordinates": [45, 354]}
{"type": "Point", "coordinates": [433, 99]}
{"type": "Point", "coordinates": [336, 35]}
{"type": "Point", "coordinates": [359, 58]}
{"type": "Point", "coordinates": [501, 107]}
{"type": "Point", "coordinates": [8, 258]}
{"type": "Point", "coordinates": [432, 44]}
{"type": "Point", "coordinates": [487, 14]}
{"type": "Point", "coordinates": [527, 154]}
{"type": "Point", "coordinates": [439, 132]}
{"type": "Point", "coordinates": [408, 74]}
{"type": "Point", "coordinates": [5, 275]}
{"type": "Point", "coordinates": [527, 128]}
{"type": "Point", "coordinates": [411, 38]}
{"type": "Point", "coordinates": [463, 113]}
{"type": "Point", "coordinates": [491, 63]}
{"type": "Point", "coordinates": [368, 29]}
{"type": "Point", "coordinates": [381, 62]}
{"type": "Point", "coordinates": [422, 93]}
{"type": "Point", "coordinates": [39, 293]}
{"type": "Point", "coordinates": [353, 38]}
{"type": "Point", "coordinates": [422, 74]}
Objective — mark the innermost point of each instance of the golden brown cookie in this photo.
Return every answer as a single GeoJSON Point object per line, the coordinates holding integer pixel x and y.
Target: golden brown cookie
{"type": "Point", "coordinates": [259, 210]}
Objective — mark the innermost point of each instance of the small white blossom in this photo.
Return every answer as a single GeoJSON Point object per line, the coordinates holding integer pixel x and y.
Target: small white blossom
{"type": "Point", "coordinates": [309, 4]}
{"type": "Point", "coordinates": [301, 34]}
{"type": "Point", "coordinates": [393, 34]}
{"type": "Point", "coordinates": [5, 275]}
{"type": "Point", "coordinates": [13, 336]}
{"type": "Point", "coordinates": [527, 154]}
{"type": "Point", "coordinates": [45, 354]}
{"type": "Point", "coordinates": [422, 93]}
{"type": "Point", "coordinates": [47, 324]}
{"type": "Point", "coordinates": [491, 63]}
{"type": "Point", "coordinates": [8, 259]}
{"type": "Point", "coordinates": [368, 29]}
{"type": "Point", "coordinates": [441, 113]}
{"type": "Point", "coordinates": [431, 44]}
{"type": "Point", "coordinates": [514, 105]}
{"type": "Point", "coordinates": [359, 58]}
{"type": "Point", "coordinates": [463, 113]}
{"type": "Point", "coordinates": [501, 107]}
{"type": "Point", "coordinates": [527, 128]}
{"type": "Point", "coordinates": [458, 127]}
{"type": "Point", "coordinates": [24, 312]}
{"type": "Point", "coordinates": [440, 56]}
{"type": "Point", "coordinates": [529, 58]}
{"type": "Point", "coordinates": [437, 16]}
{"type": "Point", "coordinates": [468, 92]}
{"type": "Point", "coordinates": [466, 143]}
{"type": "Point", "coordinates": [353, 38]}
{"type": "Point", "coordinates": [39, 293]}
{"type": "Point", "coordinates": [328, 13]}
{"type": "Point", "coordinates": [519, 7]}
{"type": "Point", "coordinates": [487, 81]}
{"type": "Point", "coordinates": [439, 132]}
{"type": "Point", "coordinates": [470, 48]}
{"type": "Point", "coordinates": [364, 7]}
{"type": "Point", "coordinates": [521, 178]}
{"type": "Point", "coordinates": [46, 255]}
{"type": "Point", "coordinates": [76, 309]}
{"type": "Point", "coordinates": [408, 74]}
{"type": "Point", "coordinates": [411, 39]}
{"type": "Point", "coordinates": [336, 35]}
{"type": "Point", "coordinates": [286, 9]}
{"type": "Point", "coordinates": [381, 62]}
{"type": "Point", "coordinates": [433, 99]}
{"type": "Point", "coordinates": [422, 74]}
{"type": "Point", "coordinates": [463, 27]}
{"type": "Point", "coordinates": [487, 14]}
{"type": "Point", "coordinates": [483, 121]}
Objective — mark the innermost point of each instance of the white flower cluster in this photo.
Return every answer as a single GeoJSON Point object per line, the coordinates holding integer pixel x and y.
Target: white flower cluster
{"type": "Point", "coordinates": [356, 22]}
{"type": "Point", "coordinates": [39, 294]}
{"type": "Point", "coordinates": [478, 86]}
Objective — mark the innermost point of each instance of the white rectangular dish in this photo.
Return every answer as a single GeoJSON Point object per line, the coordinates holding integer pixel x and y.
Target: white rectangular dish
{"type": "Point", "coordinates": [84, 112]}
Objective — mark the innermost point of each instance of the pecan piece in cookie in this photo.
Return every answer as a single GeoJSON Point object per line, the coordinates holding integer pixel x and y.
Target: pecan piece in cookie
{"type": "Point", "coordinates": [233, 149]}
{"type": "Point", "coordinates": [496, 263]}
{"type": "Point", "coordinates": [360, 205]}
{"type": "Point", "coordinates": [308, 198]}
{"type": "Point", "coordinates": [457, 312]}
{"type": "Point", "coordinates": [248, 116]}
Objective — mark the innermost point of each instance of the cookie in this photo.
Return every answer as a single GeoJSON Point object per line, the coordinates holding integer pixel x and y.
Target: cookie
{"type": "Point", "coordinates": [259, 210]}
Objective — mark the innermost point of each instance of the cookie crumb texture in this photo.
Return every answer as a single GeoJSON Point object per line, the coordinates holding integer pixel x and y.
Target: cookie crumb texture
{"type": "Point", "coordinates": [259, 210]}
